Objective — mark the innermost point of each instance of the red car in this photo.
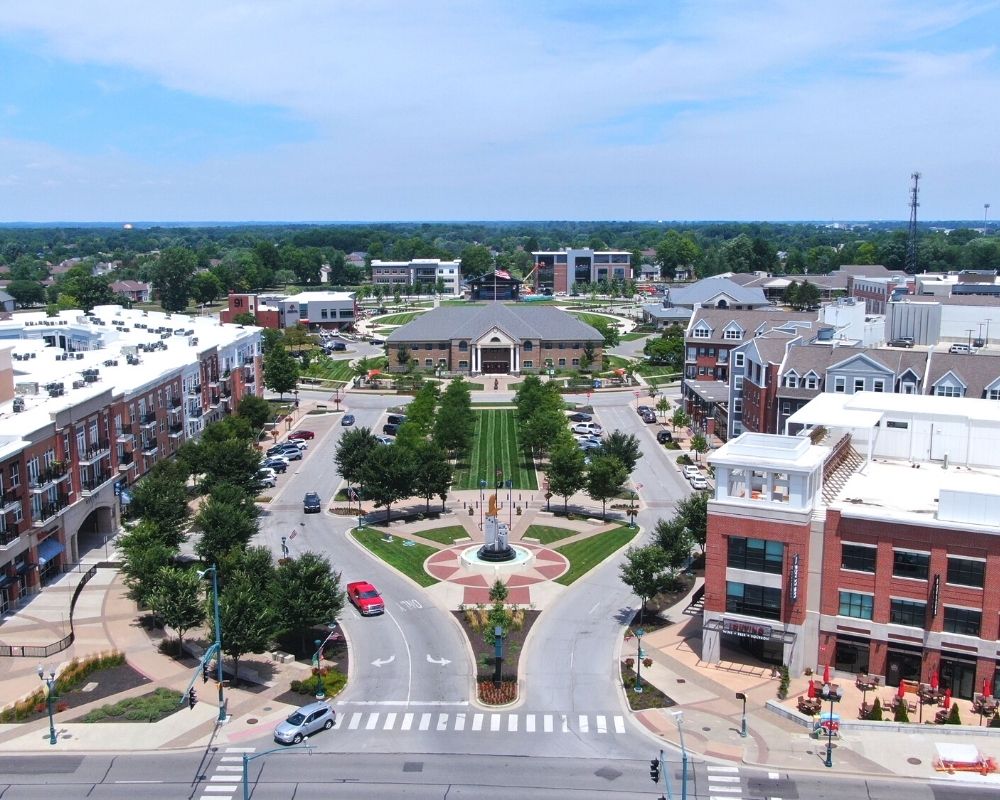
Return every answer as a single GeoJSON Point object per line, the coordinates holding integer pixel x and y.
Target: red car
{"type": "Point", "coordinates": [302, 435]}
{"type": "Point", "coordinates": [365, 598]}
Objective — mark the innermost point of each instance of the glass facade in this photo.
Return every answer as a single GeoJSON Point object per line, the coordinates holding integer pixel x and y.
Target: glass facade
{"type": "Point", "coordinates": [754, 601]}
{"type": "Point", "coordinates": [759, 555]}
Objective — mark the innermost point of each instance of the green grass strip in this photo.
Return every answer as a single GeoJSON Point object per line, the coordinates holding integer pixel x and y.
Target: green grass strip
{"type": "Point", "coordinates": [409, 559]}
{"type": "Point", "coordinates": [546, 534]}
{"type": "Point", "coordinates": [586, 554]}
{"type": "Point", "coordinates": [446, 535]}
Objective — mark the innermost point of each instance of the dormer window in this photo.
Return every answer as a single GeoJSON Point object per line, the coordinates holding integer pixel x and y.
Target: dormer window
{"type": "Point", "coordinates": [732, 333]}
{"type": "Point", "coordinates": [701, 333]}
{"type": "Point", "coordinates": [792, 380]}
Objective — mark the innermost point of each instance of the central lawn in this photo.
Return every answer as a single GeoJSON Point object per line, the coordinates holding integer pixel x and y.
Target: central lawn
{"type": "Point", "coordinates": [546, 534]}
{"type": "Point", "coordinates": [446, 535]}
{"type": "Point", "coordinates": [633, 337]}
{"type": "Point", "coordinates": [495, 446]}
{"type": "Point", "coordinates": [586, 554]}
{"type": "Point", "coordinates": [408, 559]}
{"type": "Point", "coordinates": [330, 369]}
{"type": "Point", "coordinates": [396, 319]}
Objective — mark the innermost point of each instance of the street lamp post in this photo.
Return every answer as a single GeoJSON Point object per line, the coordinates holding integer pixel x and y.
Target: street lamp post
{"type": "Point", "coordinates": [832, 693]}
{"type": "Point", "coordinates": [218, 634]}
{"type": "Point", "coordinates": [498, 653]}
{"type": "Point", "coordinates": [639, 633]}
{"type": "Point", "coordinates": [320, 692]}
{"type": "Point", "coordinates": [743, 725]}
{"type": "Point", "coordinates": [50, 687]}
{"type": "Point", "coordinates": [284, 547]}
{"type": "Point", "coordinates": [679, 719]}
{"type": "Point", "coordinates": [482, 486]}
{"type": "Point", "coordinates": [631, 511]}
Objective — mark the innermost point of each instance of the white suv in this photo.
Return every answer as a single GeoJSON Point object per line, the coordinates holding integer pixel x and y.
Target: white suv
{"type": "Point", "coordinates": [589, 428]}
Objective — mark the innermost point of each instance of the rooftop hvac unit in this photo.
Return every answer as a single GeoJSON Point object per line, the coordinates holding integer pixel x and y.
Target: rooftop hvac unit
{"type": "Point", "coordinates": [32, 355]}
{"type": "Point", "coordinates": [79, 356]}
{"type": "Point", "coordinates": [79, 384]}
{"type": "Point", "coordinates": [18, 405]}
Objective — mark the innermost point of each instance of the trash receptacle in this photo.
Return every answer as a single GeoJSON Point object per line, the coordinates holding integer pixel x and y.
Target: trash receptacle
{"type": "Point", "coordinates": [597, 383]}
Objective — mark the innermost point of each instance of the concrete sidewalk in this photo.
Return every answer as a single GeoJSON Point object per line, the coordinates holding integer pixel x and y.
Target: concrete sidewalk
{"type": "Point", "coordinates": [706, 694]}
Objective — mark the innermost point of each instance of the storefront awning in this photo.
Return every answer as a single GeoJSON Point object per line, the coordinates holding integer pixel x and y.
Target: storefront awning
{"type": "Point", "coordinates": [750, 630]}
{"type": "Point", "coordinates": [49, 549]}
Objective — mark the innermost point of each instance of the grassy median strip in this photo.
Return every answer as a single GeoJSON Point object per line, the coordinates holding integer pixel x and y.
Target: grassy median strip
{"type": "Point", "coordinates": [586, 554]}
{"type": "Point", "coordinates": [406, 556]}
{"type": "Point", "coordinates": [446, 535]}
{"type": "Point", "coordinates": [546, 534]}
{"type": "Point", "coordinates": [495, 447]}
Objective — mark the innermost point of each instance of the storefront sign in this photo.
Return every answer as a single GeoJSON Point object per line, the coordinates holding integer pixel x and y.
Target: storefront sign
{"type": "Point", "coordinates": [935, 595]}
{"type": "Point", "coordinates": [748, 630]}
{"type": "Point", "coordinates": [793, 583]}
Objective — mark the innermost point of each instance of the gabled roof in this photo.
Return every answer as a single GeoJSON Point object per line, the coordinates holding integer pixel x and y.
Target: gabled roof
{"type": "Point", "coordinates": [517, 320]}
{"type": "Point", "coordinates": [977, 371]}
{"type": "Point", "coordinates": [708, 289]}
{"type": "Point", "coordinates": [718, 319]}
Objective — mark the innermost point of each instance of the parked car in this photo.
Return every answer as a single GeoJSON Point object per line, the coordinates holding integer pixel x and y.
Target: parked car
{"type": "Point", "coordinates": [266, 478]}
{"type": "Point", "coordinates": [642, 410]}
{"type": "Point", "coordinates": [589, 444]}
{"type": "Point", "coordinates": [304, 722]}
{"type": "Point", "coordinates": [396, 419]}
{"type": "Point", "coordinates": [699, 482]}
{"type": "Point", "coordinates": [580, 417]}
{"type": "Point", "coordinates": [960, 348]}
{"type": "Point", "coordinates": [390, 429]}
{"type": "Point", "coordinates": [278, 463]}
{"type": "Point", "coordinates": [690, 470]}
{"type": "Point", "coordinates": [286, 452]}
{"type": "Point", "coordinates": [347, 420]}
{"type": "Point", "coordinates": [648, 417]}
{"type": "Point", "coordinates": [365, 598]}
{"type": "Point", "coordinates": [664, 436]}
{"type": "Point", "coordinates": [336, 346]}
{"type": "Point", "coordinates": [302, 434]}
{"type": "Point", "coordinates": [383, 440]}
{"type": "Point", "coordinates": [903, 341]}
{"type": "Point", "coordinates": [588, 427]}
{"type": "Point", "coordinates": [311, 504]}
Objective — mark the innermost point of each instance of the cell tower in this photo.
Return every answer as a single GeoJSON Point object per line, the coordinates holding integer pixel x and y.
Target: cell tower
{"type": "Point", "coordinates": [911, 239]}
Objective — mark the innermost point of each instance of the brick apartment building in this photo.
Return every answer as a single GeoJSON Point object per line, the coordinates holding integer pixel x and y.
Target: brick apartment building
{"type": "Point", "coordinates": [874, 550]}
{"type": "Point", "coordinates": [88, 404]}
{"type": "Point", "coordinates": [315, 310]}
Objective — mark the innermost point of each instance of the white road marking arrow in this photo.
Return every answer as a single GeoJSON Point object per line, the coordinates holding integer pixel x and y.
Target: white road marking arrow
{"type": "Point", "coordinates": [438, 661]}
{"type": "Point", "coordinates": [381, 662]}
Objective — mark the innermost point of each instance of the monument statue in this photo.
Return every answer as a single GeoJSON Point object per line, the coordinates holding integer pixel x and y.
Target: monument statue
{"type": "Point", "coordinates": [497, 548]}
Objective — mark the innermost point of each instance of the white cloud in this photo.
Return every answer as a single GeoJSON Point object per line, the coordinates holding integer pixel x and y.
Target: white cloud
{"type": "Point", "coordinates": [448, 110]}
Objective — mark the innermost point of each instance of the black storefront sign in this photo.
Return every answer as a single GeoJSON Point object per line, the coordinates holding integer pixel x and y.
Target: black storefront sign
{"type": "Point", "coordinates": [793, 582]}
{"type": "Point", "coordinates": [935, 595]}
{"type": "Point", "coordinates": [747, 630]}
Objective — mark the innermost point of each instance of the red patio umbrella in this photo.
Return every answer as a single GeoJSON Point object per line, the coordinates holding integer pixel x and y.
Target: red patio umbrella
{"type": "Point", "coordinates": [987, 691]}
{"type": "Point", "coordinates": [811, 693]}
{"type": "Point", "coordinates": [826, 674]}
{"type": "Point", "coordinates": [901, 691]}
{"type": "Point", "coordinates": [947, 699]}
{"type": "Point", "coordinates": [935, 680]}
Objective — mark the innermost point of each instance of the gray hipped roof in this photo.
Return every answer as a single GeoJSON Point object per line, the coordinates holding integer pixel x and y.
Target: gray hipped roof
{"type": "Point", "coordinates": [517, 321]}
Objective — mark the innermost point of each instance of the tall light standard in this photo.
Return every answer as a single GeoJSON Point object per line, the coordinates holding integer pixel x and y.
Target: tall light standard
{"type": "Point", "coordinates": [320, 691]}
{"type": "Point", "coordinates": [743, 726]}
{"type": "Point", "coordinates": [639, 633]}
{"type": "Point", "coordinates": [632, 510]}
{"type": "Point", "coordinates": [218, 635]}
{"type": "Point", "coordinates": [482, 486]}
{"type": "Point", "coordinates": [679, 719]}
{"type": "Point", "coordinates": [832, 693]}
{"type": "Point", "coordinates": [50, 688]}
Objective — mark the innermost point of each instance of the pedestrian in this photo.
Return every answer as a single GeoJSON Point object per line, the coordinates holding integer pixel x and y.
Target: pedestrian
{"type": "Point", "coordinates": [496, 384]}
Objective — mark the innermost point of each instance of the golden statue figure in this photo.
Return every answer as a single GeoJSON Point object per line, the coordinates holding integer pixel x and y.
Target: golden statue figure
{"type": "Point", "coordinates": [493, 506]}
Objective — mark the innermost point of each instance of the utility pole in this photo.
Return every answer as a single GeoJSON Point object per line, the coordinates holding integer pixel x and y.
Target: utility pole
{"type": "Point", "coordinates": [911, 239]}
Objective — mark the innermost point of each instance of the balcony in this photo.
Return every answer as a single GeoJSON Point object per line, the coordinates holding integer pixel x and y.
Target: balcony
{"type": "Point", "coordinates": [195, 412]}
{"type": "Point", "coordinates": [53, 473]}
{"type": "Point", "coordinates": [175, 403]}
{"type": "Point", "coordinates": [213, 382]}
{"type": "Point", "coordinates": [249, 376]}
{"type": "Point", "coordinates": [149, 447]}
{"type": "Point", "coordinates": [125, 461]}
{"type": "Point", "coordinates": [245, 359]}
{"type": "Point", "coordinates": [9, 534]}
{"type": "Point", "coordinates": [91, 485]}
{"type": "Point", "coordinates": [147, 420]}
{"type": "Point", "coordinates": [10, 500]}
{"type": "Point", "coordinates": [95, 453]}
{"type": "Point", "coordinates": [49, 510]}
{"type": "Point", "coordinates": [176, 409]}
{"type": "Point", "coordinates": [213, 401]}
{"type": "Point", "coordinates": [176, 430]}
{"type": "Point", "coordinates": [226, 390]}
{"type": "Point", "coordinates": [124, 437]}
{"type": "Point", "coordinates": [195, 389]}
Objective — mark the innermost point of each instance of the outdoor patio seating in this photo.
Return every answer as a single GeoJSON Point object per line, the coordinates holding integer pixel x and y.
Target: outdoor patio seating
{"type": "Point", "coordinates": [866, 682]}
{"type": "Point", "coordinates": [928, 695]}
{"type": "Point", "coordinates": [809, 705]}
{"type": "Point", "coordinates": [984, 705]}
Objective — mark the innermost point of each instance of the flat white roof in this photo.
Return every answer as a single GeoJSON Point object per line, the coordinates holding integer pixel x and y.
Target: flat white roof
{"type": "Point", "coordinates": [830, 410]}
{"type": "Point", "coordinates": [309, 297]}
{"type": "Point", "coordinates": [857, 410]}
{"type": "Point", "coordinates": [770, 450]}
{"type": "Point", "coordinates": [175, 353]}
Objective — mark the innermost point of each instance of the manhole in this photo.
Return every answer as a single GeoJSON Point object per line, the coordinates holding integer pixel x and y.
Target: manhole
{"type": "Point", "coordinates": [413, 766]}
{"type": "Point", "coordinates": [268, 708]}
{"type": "Point", "coordinates": [682, 680]}
{"type": "Point", "coordinates": [252, 721]}
{"type": "Point", "coordinates": [608, 773]}
{"type": "Point", "coordinates": [914, 761]}
{"type": "Point", "coordinates": [706, 729]}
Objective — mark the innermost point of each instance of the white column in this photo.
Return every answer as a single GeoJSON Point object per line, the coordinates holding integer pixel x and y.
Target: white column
{"type": "Point", "coordinates": [511, 359]}
{"type": "Point", "coordinates": [475, 358]}
{"type": "Point", "coordinates": [517, 359]}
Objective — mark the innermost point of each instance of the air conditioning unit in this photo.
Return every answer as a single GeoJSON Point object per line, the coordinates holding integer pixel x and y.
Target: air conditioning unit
{"type": "Point", "coordinates": [18, 405]}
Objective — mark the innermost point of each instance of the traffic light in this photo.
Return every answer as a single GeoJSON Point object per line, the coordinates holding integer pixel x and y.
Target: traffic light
{"type": "Point", "coordinates": [654, 770]}
{"type": "Point", "coordinates": [192, 698]}
{"type": "Point", "coordinates": [204, 672]}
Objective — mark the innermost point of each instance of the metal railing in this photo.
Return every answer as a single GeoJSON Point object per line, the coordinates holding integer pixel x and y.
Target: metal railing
{"type": "Point", "coordinates": [44, 651]}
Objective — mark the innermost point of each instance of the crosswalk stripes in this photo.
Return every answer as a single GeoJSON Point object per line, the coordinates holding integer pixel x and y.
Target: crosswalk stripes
{"type": "Point", "coordinates": [227, 776]}
{"type": "Point", "coordinates": [475, 722]}
{"type": "Point", "coordinates": [724, 783]}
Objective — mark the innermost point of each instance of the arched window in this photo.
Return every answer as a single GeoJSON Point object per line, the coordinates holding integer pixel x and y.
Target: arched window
{"type": "Point", "coordinates": [463, 346]}
{"type": "Point", "coordinates": [528, 345]}
{"type": "Point", "coordinates": [495, 339]}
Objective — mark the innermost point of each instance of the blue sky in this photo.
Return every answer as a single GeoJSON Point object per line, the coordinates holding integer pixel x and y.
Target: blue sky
{"type": "Point", "coordinates": [371, 109]}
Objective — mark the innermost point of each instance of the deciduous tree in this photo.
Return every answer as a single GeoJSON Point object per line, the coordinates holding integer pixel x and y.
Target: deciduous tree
{"type": "Point", "coordinates": [387, 477]}
{"type": "Point", "coordinates": [249, 621]}
{"type": "Point", "coordinates": [281, 372]}
{"type": "Point", "coordinates": [172, 276]}
{"type": "Point", "coordinates": [567, 472]}
{"type": "Point", "coordinates": [306, 592]}
{"type": "Point", "coordinates": [623, 446]}
{"type": "Point", "coordinates": [644, 573]}
{"type": "Point", "coordinates": [178, 599]}
{"type": "Point", "coordinates": [605, 477]}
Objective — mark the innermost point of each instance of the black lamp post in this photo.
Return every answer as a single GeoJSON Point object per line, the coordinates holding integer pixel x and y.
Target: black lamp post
{"type": "Point", "coordinates": [639, 633]}
{"type": "Point", "coordinates": [631, 510]}
{"type": "Point", "coordinates": [50, 688]}
{"type": "Point", "coordinates": [834, 694]}
{"type": "Point", "coordinates": [743, 725]}
{"type": "Point", "coordinates": [498, 653]}
{"type": "Point", "coordinates": [320, 692]}
{"type": "Point", "coordinates": [482, 511]}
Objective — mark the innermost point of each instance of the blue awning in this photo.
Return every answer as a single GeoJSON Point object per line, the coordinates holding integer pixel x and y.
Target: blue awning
{"type": "Point", "coordinates": [49, 549]}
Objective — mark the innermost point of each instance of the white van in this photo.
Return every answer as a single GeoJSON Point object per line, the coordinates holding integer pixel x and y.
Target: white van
{"type": "Point", "coordinates": [960, 348]}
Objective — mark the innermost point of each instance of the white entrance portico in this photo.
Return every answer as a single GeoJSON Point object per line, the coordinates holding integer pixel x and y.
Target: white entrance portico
{"type": "Point", "coordinates": [495, 352]}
